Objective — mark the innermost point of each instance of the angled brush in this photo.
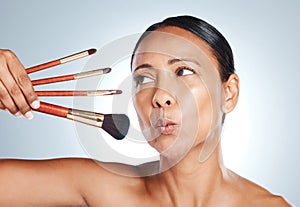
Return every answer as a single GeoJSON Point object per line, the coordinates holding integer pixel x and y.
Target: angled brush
{"type": "Point", "coordinates": [116, 125]}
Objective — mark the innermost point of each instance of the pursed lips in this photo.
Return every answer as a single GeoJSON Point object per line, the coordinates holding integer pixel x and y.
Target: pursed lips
{"type": "Point", "coordinates": [165, 126]}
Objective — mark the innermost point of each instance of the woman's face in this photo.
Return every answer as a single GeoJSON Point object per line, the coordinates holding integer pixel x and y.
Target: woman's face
{"type": "Point", "coordinates": [178, 93]}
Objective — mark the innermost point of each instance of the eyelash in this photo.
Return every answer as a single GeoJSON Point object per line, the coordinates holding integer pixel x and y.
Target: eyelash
{"type": "Point", "coordinates": [184, 68]}
{"type": "Point", "coordinates": [139, 80]}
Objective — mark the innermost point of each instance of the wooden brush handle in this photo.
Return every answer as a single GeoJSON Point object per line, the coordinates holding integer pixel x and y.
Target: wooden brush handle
{"type": "Point", "coordinates": [52, 80]}
{"type": "Point", "coordinates": [52, 109]}
{"type": "Point", "coordinates": [78, 93]}
{"type": "Point", "coordinates": [43, 66]}
{"type": "Point", "coordinates": [61, 93]}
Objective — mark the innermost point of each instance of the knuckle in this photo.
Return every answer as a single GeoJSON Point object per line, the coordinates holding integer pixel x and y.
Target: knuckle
{"type": "Point", "coordinates": [8, 54]}
{"type": "Point", "coordinates": [23, 80]}
{"type": "Point", "coordinates": [14, 90]}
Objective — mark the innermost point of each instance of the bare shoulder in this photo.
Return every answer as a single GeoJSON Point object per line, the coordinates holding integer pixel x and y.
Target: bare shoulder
{"type": "Point", "coordinates": [251, 194]}
{"type": "Point", "coordinates": [277, 201]}
{"type": "Point", "coordinates": [269, 199]}
{"type": "Point", "coordinates": [109, 184]}
{"type": "Point", "coordinates": [70, 182]}
{"type": "Point", "coordinates": [74, 169]}
{"type": "Point", "coordinates": [103, 172]}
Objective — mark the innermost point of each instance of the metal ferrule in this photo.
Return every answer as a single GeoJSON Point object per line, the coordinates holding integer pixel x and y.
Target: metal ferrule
{"type": "Point", "coordinates": [91, 73]}
{"type": "Point", "coordinates": [74, 57]}
{"type": "Point", "coordinates": [102, 92]}
{"type": "Point", "coordinates": [86, 117]}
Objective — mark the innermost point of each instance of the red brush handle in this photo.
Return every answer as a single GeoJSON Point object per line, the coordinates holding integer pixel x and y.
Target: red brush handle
{"type": "Point", "coordinates": [53, 109]}
{"type": "Point", "coordinates": [53, 80]}
{"type": "Point", "coordinates": [61, 93]}
{"type": "Point", "coordinates": [43, 66]}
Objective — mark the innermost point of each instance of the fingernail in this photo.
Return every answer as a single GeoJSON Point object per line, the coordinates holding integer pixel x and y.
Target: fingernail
{"type": "Point", "coordinates": [35, 104]}
{"type": "Point", "coordinates": [18, 114]}
{"type": "Point", "coordinates": [29, 115]}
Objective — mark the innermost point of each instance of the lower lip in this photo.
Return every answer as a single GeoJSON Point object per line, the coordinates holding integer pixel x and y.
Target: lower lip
{"type": "Point", "coordinates": [167, 130]}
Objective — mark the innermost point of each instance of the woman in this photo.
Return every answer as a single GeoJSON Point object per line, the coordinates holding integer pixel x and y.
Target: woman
{"type": "Point", "coordinates": [184, 84]}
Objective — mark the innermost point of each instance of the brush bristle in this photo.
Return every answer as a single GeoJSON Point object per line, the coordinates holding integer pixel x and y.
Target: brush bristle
{"type": "Point", "coordinates": [92, 51]}
{"type": "Point", "coordinates": [116, 125]}
{"type": "Point", "coordinates": [106, 70]}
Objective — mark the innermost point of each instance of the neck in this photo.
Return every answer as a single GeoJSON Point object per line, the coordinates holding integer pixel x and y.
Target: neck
{"type": "Point", "coordinates": [193, 179]}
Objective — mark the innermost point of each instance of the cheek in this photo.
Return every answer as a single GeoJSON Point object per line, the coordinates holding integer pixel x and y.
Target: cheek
{"type": "Point", "coordinates": [204, 105]}
{"type": "Point", "coordinates": [200, 94]}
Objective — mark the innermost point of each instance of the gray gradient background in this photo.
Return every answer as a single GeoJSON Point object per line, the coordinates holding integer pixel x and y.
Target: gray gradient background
{"type": "Point", "coordinates": [261, 140]}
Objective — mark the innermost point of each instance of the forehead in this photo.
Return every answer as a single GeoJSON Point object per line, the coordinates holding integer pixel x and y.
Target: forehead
{"type": "Point", "coordinates": [174, 42]}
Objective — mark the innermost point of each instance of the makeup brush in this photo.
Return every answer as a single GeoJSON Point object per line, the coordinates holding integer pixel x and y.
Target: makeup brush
{"type": "Point", "coordinates": [70, 77]}
{"type": "Point", "coordinates": [116, 125]}
{"type": "Point", "coordinates": [60, 61]}
{"type": "Point", "coordinates": [79, 93]}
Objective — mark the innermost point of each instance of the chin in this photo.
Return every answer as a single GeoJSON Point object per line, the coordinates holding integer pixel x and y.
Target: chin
{"type": "Point", "coordinates": [163, 143]}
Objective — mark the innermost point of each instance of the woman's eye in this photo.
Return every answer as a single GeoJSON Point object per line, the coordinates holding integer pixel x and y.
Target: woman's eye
{"type": "Point", "coordinates": [142, 80]}
{"type": "Point", "coordinates": [184, 71]}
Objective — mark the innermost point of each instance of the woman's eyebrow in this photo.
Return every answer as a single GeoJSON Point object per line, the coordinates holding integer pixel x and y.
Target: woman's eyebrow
{"type": "Point", "coordinates": [175, 60]}
{"type": "Point", "coordinates": [143, 66]}
{"type": "Point", "coordinates": [170, 62]}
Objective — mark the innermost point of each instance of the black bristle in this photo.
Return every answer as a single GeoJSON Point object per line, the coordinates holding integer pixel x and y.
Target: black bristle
{"type": "Point", "coordinates": [116, 125]}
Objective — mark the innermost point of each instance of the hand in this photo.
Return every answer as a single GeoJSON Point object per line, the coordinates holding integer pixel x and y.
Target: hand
{"type": "Point", "coordinates": [16, 91]}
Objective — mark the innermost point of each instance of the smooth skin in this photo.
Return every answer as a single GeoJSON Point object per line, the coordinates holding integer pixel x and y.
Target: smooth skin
{"type": "Point", "coordinates": [84, 182]}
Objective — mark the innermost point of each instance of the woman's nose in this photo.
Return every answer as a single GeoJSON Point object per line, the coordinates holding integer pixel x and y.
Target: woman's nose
{"type": "Point", "coordinates": [162, 99]}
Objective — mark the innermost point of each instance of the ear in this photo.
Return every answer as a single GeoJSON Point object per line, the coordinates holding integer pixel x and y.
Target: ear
{"type": "Point", "coordinates": [231, 90]}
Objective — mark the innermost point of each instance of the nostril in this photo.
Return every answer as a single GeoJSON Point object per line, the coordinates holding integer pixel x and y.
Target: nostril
{"type": "Point", "coordinates": [168, 102]}
{"type": "Point", "coordinates": [158, 105]}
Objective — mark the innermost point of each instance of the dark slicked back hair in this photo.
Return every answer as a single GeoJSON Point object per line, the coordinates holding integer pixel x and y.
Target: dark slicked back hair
{"type": "Point", "coordinates": [217, 42]}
